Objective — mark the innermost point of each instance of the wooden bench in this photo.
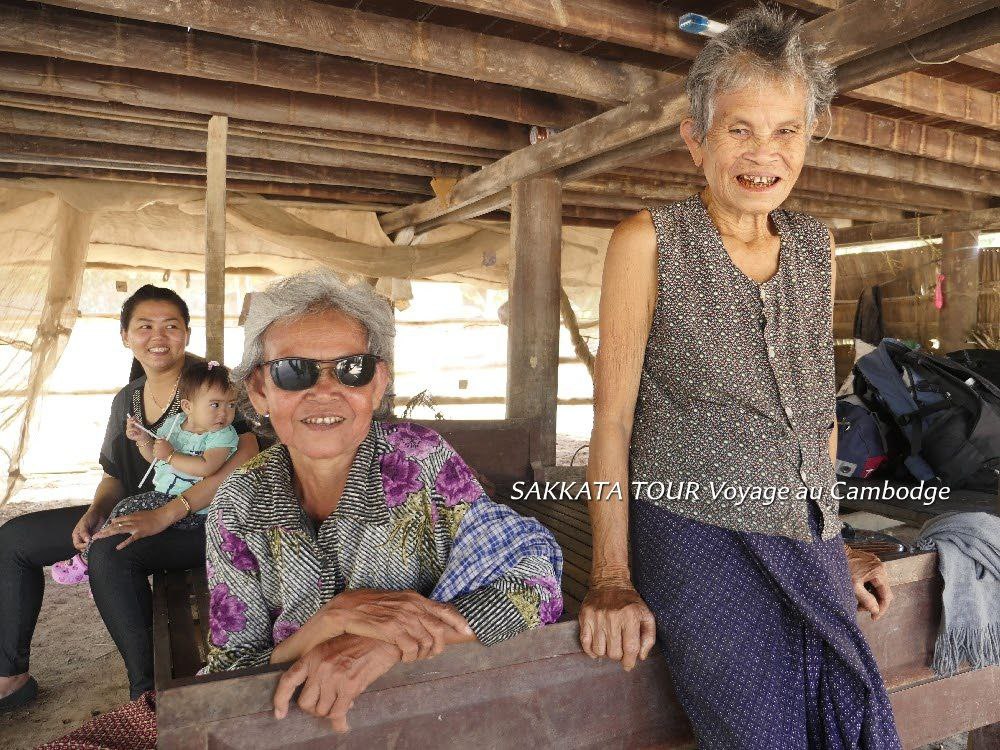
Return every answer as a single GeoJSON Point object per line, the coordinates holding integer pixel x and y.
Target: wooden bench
{"type": "Point", "coordinates": [538, 687]}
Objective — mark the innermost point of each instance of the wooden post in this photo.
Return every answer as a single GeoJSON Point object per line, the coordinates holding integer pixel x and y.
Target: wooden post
{"type": "Point", "coordinates": [960, 266]}
{"type": "Point", "coordinates": [533, 330]}
{"type": "Point", "coordinates": [215, 239]}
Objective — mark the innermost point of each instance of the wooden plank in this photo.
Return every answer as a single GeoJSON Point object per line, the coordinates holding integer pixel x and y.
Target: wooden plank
{"type": "Point", "coordinates": [163, 671]}
{"type": "Point", "coordinates": [533, 330]}
{"type": "Point", "coordinates": [642, 25]}
{"type": "Point", "coordinates": [185, 658]}
{"type": "Point", "coordinates": [51, 32]}
{"type": "Point", "coordinates": [215, 239]}
{"type": "Point", "coordinates": [312, 25]}
{"type": "Point", "coordinates": [969, 700]}
{"type": "Point", "coordinates": [985, 220]}
{"type": "Point", "coordinates": [26, 122]}
{"type": "Point", "coordinates": [255, 103]}
{"type": "Point", "coordinates": [960, 267]}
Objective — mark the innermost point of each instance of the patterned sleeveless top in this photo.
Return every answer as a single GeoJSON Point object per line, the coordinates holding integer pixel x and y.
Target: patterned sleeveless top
{"type": "Point", "coordinates": [736, 397]}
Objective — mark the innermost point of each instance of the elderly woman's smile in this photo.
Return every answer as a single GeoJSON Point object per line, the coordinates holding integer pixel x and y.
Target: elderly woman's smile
{"type": "Point", "coordinates": [328, 419]}
{"type": "Point", "coordinates": [755, 146]}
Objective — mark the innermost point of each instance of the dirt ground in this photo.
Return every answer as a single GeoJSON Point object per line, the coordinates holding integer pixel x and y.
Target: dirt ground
{"type": "Point", "coordinates": [78, 669]}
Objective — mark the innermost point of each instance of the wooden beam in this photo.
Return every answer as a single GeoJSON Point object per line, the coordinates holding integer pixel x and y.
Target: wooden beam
{"type": "Point", "coordinates": [905, 137]}
{"type": "Point", "coordinates": [255, 103]}
{"type": "Point", "coordinates": [365, 142]}
{"type": "Point", "coordinates": [935, 97]}
{"type": "Point", "coordinates": [533, 330]}
{"type": "Point", "coordinates": [312, 25]}
{"type": "Point", "coordinates": [813, 6]}
{"type": "Point", "coordinates": [28, 150]}
{"type": "Point", "coordinates": [963, 35]}
{"type": "Point", "coordinates": [215, 240]}
{"type": "Point", "coordinates": [843, 157]}
{"type": "Point", "coordinates": [987, 58]}
{"type": "Point", "coordinates": [641, 25]}
{"type": "Point", "coordinates": [865, 27]}
{"type": "Point", "coordinates": [51, 32]}
{"type": "Point", "coordinates": [986, 220]}
{"type": "Point", "coordinates": [638, 129]}
{"type": "Point", "coordinates": [26, 122]}
{"type": "Point", "coordinates": [375, 199]}
{"type": "Point", "coordinates": [960, 268]}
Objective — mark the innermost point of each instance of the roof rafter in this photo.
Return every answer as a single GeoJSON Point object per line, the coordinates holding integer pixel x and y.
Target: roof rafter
{"type": "Point", "coordinates": [308, 24]}
{"type": "Point", "coordinates": [54, 32]}
{"type": "Point", "coordinates": [160, 91]}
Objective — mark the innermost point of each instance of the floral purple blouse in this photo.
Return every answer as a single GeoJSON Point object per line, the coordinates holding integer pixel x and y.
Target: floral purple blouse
{"type": "Point", "coordinates": [412, 516]}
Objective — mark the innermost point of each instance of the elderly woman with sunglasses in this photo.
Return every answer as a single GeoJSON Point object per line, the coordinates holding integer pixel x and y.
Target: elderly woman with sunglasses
{"type": "Point", "coordinates": [355, 543]}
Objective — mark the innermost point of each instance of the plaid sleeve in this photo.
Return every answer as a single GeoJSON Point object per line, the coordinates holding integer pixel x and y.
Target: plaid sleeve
{"type": "Point", "coordinates": [502, 573]}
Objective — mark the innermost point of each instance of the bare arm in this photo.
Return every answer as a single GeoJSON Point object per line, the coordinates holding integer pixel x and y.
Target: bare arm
{"type": "Point", "coordinates": [614, 621]}
{"type": "Point", "coordinates": [628, 296]}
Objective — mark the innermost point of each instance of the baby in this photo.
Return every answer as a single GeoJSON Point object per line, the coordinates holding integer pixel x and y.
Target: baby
{"type": "Point", "coordinates": [189, 446]}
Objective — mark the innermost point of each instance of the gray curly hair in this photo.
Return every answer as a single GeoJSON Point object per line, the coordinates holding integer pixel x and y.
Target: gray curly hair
{"type": "Point", "coordinates": [760, 43]}
{"type": "Point", "coordinates": [314, 292]}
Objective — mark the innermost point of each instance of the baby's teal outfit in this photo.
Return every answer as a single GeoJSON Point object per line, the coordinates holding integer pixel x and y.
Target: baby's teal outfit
{"type": "Point", "coordinates": [170, 481]}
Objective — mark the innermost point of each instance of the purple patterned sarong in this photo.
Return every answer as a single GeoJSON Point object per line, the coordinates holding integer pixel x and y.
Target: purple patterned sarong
{"type": "Point", "coordinates": [760, 635]}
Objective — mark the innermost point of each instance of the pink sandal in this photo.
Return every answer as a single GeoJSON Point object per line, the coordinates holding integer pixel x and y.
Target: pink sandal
{"type": "Point", "coordinates": [70, 572]}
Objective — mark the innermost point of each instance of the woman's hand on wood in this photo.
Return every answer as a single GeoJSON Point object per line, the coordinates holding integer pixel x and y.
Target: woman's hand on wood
{"type": "Point", "coordinates": [332, 675]}
{"type": "Point", "coordinates": [866, 568]}
{"type": "Point", "coordinates": [414, 624]}
{"type": "Point", "coordinates": [615, 622]}
{"type": "Point", "coordinates": [138, 525]}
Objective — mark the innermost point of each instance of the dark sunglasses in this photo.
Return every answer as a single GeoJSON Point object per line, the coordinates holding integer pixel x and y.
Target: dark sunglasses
{"type": "Point", "coordinates": [300, 373]}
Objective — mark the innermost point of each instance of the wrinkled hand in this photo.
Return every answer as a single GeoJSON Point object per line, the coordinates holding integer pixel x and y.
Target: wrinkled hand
{"type": "Point", "coordinates": [867, 568]}
{"type": "Point", "coordinates": [332, 675]}
{"type": "Point", "coordinates": [615, 622]}
{"type": "Point", "coordinates": [83, 532]}
{"type": "Point", "coordinates": [414, 624]}
{"type": "Point", "coordinates": [162, 449]}
{"type": "Point", "coordinates": [133, 431]}
{"type": "Point", "coordinates": [137, 525]}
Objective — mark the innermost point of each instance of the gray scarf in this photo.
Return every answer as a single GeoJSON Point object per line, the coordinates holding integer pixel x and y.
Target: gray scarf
{"type": "Point", "coordinates": [968, 547]}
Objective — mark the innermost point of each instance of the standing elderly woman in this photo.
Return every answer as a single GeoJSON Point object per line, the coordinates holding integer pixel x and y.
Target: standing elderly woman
{"type": "Point", "coordinates": [716, 369]}
{"type": "Point", "coordinates": [355, 543]}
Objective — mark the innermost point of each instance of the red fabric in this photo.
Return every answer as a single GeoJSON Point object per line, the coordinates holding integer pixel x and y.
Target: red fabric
{"type": "Point", "coordinates": [128, 727]}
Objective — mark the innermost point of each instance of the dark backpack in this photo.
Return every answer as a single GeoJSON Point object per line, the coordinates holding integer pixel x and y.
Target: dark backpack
{"type": "Point", "coordinates": [945, 415]}
{"type": "Point", "coordinates": [984, 361]}
{"type": "Point", "coordinates": [861, 447]}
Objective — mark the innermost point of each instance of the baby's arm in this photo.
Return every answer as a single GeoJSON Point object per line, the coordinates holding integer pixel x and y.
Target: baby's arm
{"type": "Point", "coordinates": [204, 465]}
